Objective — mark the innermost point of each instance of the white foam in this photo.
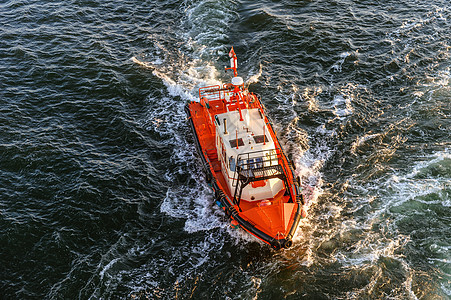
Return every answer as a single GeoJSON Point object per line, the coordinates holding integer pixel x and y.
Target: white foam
{"type": "Point", "coordinates": [194, 205]}
{"type": "Point", "coordinates": [107, 267]}
{"type": "Point", "coordinates": [254, 78]}
{"type": "Point", "coordinates": [342, 106]}
{"type": "Point", "coordinates": [396, 190]}
{"type": "Point", "coordinates": [337, 67]}
{"type": "Point", "coordinates": [362, 140]}
{"type": "Point", "coordinates": [410, 186]}
{"type": "Point", "coordinates": [209, 22]}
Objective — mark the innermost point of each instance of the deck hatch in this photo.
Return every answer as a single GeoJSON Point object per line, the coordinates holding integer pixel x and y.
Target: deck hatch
{"type": "Point", "coordinates": [260, 139]}
{"type": "Point", "coordinates": [234, 142]}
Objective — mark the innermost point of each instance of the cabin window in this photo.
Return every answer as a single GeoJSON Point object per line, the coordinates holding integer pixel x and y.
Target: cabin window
{"type": "Point", "coordinates": [234, 142]}
{"type": "Point", "coordinates": [260, 139]}
{"type": "Point", "coordinates": [259, 162]}
{"type": "Point", "coordinates": [232, 163]}
{"type": "Point", "coordinates": [224, 155]}
{"type": "Point", "coordinates": [255, 163]}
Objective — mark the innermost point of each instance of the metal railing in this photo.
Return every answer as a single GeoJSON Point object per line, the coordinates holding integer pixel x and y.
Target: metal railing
{"type": "Point", "coordinates": [259, 165]}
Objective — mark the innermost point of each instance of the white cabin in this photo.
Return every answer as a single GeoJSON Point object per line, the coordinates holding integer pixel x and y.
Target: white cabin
{"type": "Point", "coordinates": [251, 139]}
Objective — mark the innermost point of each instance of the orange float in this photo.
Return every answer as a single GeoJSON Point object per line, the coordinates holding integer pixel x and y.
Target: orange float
{"type": "Point", "coordinates": [244, 162]}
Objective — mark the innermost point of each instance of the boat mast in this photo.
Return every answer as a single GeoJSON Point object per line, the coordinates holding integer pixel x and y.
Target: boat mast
{"type": "Point", "coordinates": [237, 82]}
{"type": "Point", "coordinates": [233, 62]}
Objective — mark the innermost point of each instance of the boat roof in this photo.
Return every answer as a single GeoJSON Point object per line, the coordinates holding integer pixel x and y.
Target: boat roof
{"type": "Point", "coordinates": [244, 136]}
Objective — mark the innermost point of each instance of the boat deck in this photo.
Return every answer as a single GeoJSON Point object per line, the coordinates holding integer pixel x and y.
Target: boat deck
{"type": "Point", "coordinates": [202, 123]}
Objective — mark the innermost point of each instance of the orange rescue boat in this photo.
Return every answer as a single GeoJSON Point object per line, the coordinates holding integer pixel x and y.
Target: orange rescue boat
{"type": "Point", "coordinates": [252, 178]}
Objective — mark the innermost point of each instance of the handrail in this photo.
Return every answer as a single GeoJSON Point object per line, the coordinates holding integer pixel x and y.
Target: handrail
{"type": "Point", "coordinates": [262, 173]}
{"type": "Point", "coordinates": [228, 93]}
{"type": "Point", "coordinates": [254, 161]}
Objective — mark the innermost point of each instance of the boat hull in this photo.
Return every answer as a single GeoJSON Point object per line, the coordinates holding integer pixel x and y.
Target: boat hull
{"type": "Point", "coordinates": [278, 237]}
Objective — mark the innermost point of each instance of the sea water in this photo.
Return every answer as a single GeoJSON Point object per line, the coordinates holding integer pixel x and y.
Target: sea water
{"type": "Point", "coordinates": [101, 192]}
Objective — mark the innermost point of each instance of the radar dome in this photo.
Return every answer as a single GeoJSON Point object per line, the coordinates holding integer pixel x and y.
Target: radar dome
{"type": "Point", "coordinates": [237, 81]}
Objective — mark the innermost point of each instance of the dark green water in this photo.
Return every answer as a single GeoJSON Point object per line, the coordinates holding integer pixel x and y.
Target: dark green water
{"type": "Point", "coordinates": [101, 192]}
